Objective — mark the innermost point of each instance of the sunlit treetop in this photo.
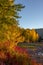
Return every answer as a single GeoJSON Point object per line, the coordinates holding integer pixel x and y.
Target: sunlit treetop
{"type": "Point", "coordinates": [9, 11]}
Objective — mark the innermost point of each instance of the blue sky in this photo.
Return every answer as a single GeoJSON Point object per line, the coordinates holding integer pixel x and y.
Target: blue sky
{"type": "Point", "coordinates": [32, 14]}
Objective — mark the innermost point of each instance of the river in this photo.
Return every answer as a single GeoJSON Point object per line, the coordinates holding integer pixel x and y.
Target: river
{"type": "Point", "coordinates": [34, 49]}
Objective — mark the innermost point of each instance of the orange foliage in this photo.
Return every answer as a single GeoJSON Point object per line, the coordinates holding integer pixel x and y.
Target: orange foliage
{"type": "Point", "coordinates": [2, 55]}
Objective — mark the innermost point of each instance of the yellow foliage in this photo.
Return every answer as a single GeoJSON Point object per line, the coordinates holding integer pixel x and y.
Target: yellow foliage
{"type": "Point", "coordinates": [34, 35]}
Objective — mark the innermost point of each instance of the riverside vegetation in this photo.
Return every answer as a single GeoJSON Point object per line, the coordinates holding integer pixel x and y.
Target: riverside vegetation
{"type": "Point", "coordinates": [11, 34]}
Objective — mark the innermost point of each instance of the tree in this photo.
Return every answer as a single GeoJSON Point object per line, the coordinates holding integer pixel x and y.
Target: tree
{"type": "Point", "coordinates": [8, 16]}
{"type": "Point", "coordinates": [34, 35]}
{"type": "Point", "coordinates": [9, 11]}
{"type": "Point", "coordinates": [28, 35]}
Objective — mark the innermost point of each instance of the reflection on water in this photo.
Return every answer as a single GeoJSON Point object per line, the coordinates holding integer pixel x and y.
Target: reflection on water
{"type": "Point", "coordinates": [35, 50]}
{"type": "Point", "coordinates": [40, 53]}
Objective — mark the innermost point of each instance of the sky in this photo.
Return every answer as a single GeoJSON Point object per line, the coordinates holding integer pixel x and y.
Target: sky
{"type": "Point", "coordinates": [32, 14]}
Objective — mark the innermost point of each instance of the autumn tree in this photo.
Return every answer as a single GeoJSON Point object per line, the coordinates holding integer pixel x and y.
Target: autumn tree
{"type": "Point", "coordinates": [9, 23]}
{"type": "Point", "coordinates": [30, 35]}
{"type": "Point", "coordinates": [34, 36]}
{"type": "Point", "coordinates": [9, 12]}
{"type": "Point", "coordinates": [8, 15]}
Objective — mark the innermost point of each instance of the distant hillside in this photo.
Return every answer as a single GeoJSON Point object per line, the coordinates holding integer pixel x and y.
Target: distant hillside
{"type": "Point", "coordinates": [40, 32]}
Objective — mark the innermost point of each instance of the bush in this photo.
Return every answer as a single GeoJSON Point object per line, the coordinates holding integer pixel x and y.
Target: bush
{"type": "Point", "coordinates": [14, 55]}
{"type": "Point", "coordinates": [19, 56]}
